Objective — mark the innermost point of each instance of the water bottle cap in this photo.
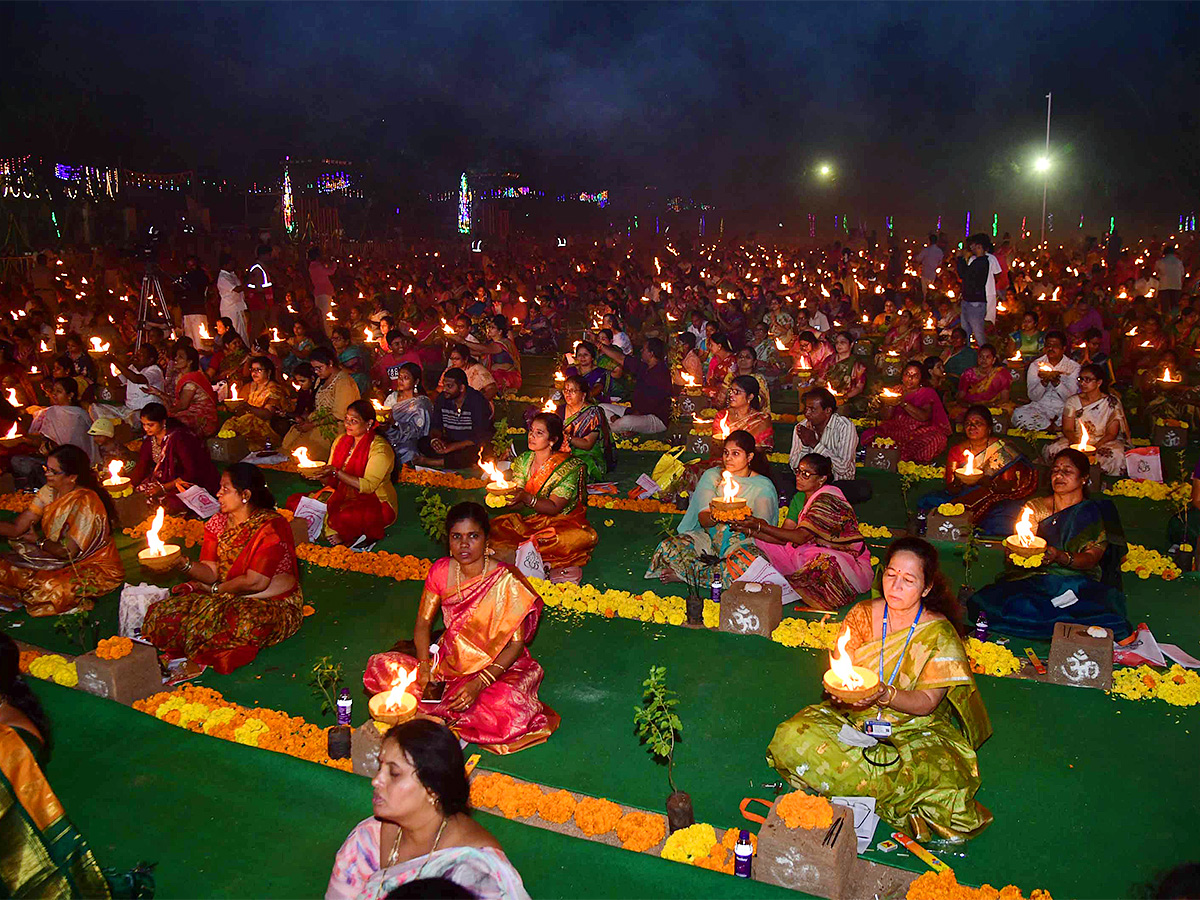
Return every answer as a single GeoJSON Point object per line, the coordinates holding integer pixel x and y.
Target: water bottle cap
{"type": "Point", "coordinates": [744, 835]}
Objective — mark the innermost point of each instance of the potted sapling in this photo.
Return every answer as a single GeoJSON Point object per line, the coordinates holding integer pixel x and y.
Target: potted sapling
{"type": "Point", "coordinates": [657, 725]}
{"type": "Point", "coordinates": [325, 678]}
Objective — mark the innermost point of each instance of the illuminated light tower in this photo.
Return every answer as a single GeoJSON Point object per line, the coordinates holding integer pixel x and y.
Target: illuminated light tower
{"type": "Point", "coordinates": [464, 205]}
{"type": "Point", "coordinates": [289, 204]}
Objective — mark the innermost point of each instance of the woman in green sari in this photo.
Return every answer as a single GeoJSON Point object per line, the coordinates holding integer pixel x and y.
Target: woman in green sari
{"type": "Point", "coordinates": [677, 557]}
{"type": "Point", "coordinates": [585, 430]}
{"type": "Point", "coordinates": [846, 376]}
{"type": "Point", "coordinates": [924, 782]}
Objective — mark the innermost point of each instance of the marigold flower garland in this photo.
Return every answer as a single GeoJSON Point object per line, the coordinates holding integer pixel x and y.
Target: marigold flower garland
{"type": "Point", "coordinates": [114, 648]}
{"type": "Point", "coordinates": [944, 886]}
{"type": "Point", "coordinates": [639, 831]}
{"type": "Point", "coordinates": [1150, 490]}
{"type": "Point", "coordinates": [17, 503]}
{"type": "Point", "coordinates": [1177, 685]}
{"type": "Point", "coordinates": [205, 711]}
{"type": "Point", "coordinates": [1144, 562]}
{"type": "Point", "coordinates": [596, 815]}
{"type": "Point", "coordinates": [557, 806]}
{"type": "Point", "coordinates": [52, 667]}
{"type": "Point", "coordinates": [801, 810]}
{"type": "Point", "coordinates": [991, 659]}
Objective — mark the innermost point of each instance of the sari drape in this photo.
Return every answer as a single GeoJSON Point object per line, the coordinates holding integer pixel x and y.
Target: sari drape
{"type": "Point", "coordinates": [832, 568]}
{"type": "Point", "coordinates": [977, 388]}
{"type": "Point", "coordinates": [258, 432]}
{"type": "Point", "coordinates": [679, 555]}
{"type": "Point", "coordinates": [334, 395]}
{"type": "Point", "coordinates": [180, 454]}
{"type": "Point", "coordinates": [602, 458]}
{"type": "Point", "coordinates": [41, 855]}
{"type": "Point", "coordinates": [846, 375]}
{"type": "Point", "coordinates": [226, 630]}
{"type": "Point", "coordinates": [1028, 602]}
{"type": "Point", "coordinates": [933, 785]}
{"type": "Point", "coordinates": [1096, 417]}
{"type": "Point", "coordinates": [485, 872]}
{"type": "Point", "coordinates": [917, 441]}
{"type": "Point", "coordinates": [49, 586]}
{"type": "Point", "coordinates": [409, 422]}
{"type": "Point", "coordinates": [200, 416]}
{"type": "Point", "coordinates": [563, 540]}
{"type": "Point", "coordinates": [993, 504]}
{"type": "Point", "coordinates": [365, 511]}
{"type": "Point", "coordinates": [482, 615]}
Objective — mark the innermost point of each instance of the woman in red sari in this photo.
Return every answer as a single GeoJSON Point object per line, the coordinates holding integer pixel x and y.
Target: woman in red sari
{"type": "Point", "coordinates": [482, 682]}
{"type": "Point", "coordinates": [984, 384]}
{"type": "Point", "coordinates": [720, 361]}
{"type": "Point", "coordinates": [195, 402]}
{"type": "Point", "coordinates": [358, 481]}
{"type": "Point", "coordinates": [917, 423]}
{"type": "Point", "coordinates": [244, 592]}
{"type": "Point", "coordinates": [171, 459]}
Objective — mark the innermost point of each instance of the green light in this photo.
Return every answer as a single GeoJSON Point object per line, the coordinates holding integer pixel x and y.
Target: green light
{"type": "Point", "coordinates": [995, 223]}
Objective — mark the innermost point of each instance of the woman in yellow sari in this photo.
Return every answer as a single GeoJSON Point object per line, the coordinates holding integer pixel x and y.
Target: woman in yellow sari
{"type": "Point", "coordinates": [42, 855]}
{"type": "Point", "coordinates": [924, 778]}
{"type": "Point", "coordinates": [481, 681]}
{"type": "Point", "coordinates": [265, 398]}
{"type": "Point", "coordinates": [75, 559]}
{"type": "Point", "coordinates": [553, 485]}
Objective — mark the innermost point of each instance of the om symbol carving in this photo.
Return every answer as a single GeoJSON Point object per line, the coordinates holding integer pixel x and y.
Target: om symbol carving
{"type": "Point", "coordinates": [1078, 667]}
{"type": "Point", "coordinates": [744, 620]}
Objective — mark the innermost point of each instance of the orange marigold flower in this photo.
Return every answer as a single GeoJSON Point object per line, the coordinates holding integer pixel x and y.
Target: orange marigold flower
{"type": "Point", "coordinates": [556, 806]}
{"type": "Point", "coordinates": [639, 831]}
{"type": "Point", "coordinates": [799, 810]}
{"type": "Point", "coordinates": [519, 800]}
{"type": "Point", "coordinates": [596, 816]}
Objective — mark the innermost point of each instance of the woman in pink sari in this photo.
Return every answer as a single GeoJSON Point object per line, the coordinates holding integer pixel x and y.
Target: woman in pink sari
{"type": "Point", "coordinates": [482, 682]}
{"type": "Point", "coordinates": [195, 402]}
{"type": "Point", "coordinates": [984, 384]}
{"type": "Point", "coordinates": [819, 548]}
{"type": "Point", "coordinates": [917, 423]}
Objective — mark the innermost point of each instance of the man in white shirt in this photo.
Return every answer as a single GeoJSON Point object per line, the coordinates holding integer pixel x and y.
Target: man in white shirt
{"type": "Point", "coordinates": [928, 260]}
{"type": "Point", "coordinates": [233, 302]}
{"type": "Point", "coordinates": [140, 380]}
{"type": "Point", "coordinates": [826, 432]}
{"type": "Point", "coordinates": [1170, 279]}
{"type": "Point", "coordinates": [1051, 379]}
{"type": "Point", "coordinates": [990, 287]}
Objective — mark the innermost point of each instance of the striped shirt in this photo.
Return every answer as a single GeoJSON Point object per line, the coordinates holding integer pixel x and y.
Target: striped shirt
{"type": "Point", "coordinates": [839, 441]}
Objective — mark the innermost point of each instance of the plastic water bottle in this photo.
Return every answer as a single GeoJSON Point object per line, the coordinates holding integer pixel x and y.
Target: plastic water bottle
{"type": "Point", "coordinates": [716, 590]}
{"type": "Point", "coordinates": [981, 627]}
{"type": "Point", "coordinates": [743, 855]}
{"type": "Point", "coordinates": [344, 707]}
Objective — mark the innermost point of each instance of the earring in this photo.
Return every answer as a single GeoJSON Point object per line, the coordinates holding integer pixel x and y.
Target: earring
{"type": "Point", "coordinates": [490, 552]}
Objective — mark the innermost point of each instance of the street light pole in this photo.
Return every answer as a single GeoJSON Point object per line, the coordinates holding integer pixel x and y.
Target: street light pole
{"type": "Point", "coordinates": [1046, 178]}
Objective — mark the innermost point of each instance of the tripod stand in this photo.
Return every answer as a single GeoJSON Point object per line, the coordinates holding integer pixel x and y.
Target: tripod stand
{"type": "Point", "coordinates": [152, 292]}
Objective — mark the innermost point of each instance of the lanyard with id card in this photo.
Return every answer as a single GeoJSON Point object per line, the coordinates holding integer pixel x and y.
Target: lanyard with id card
{"type": "Point", "coordinates": [881, 729]}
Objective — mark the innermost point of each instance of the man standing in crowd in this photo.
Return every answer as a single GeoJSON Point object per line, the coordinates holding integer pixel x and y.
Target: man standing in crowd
{"type": "Point", "coordinates": [233, 303]}
{"type": "Point", "coordinates": [974, 270]}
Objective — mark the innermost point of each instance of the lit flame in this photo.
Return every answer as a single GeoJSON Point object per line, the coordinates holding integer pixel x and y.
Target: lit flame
{"type": "Point", "coordinates": [1016, 357]}
{"type": "Point", "coordinates": [829, 387]}
{"type": "Point", "coordinates": [969, 468]}
{"type": "Point", "coordinates": [1166, 376]}
{"type": "Point", "coordinates": [1042, 367]}
{"type": "Point", "coordinates": [888, 392]}
{"type": "Point", "coordinates": [559, 376]}
{"type": "Point", "coordinates": [98, 347]}
{"type": "Point", "coordinates": [114, 470]}
{"type": "Point", "coordinates": [689, 380]}
{"type": "Point", "coordinates": [779, 345]}
{"type": "Point", "coordinates": [1144, 344]}
{"type": "Point", "coordinates": [804, 365]}
{"type": "Point", "coordinates": [722, 428]}
{"type": "Point", "coordinates": [204, 335]}
{"type": "Point", "coordinates": [493, 474]}
{"type": "Point", "coordinates": [842, 667]}
{"type": "Point", "coordinates": [157, 546]}
{"type": "Point", "coordinates": [950, 294]}
{"type": "Point", "coordinates": [729, 490]}
{"type": "Point", "coordinates": [302, 460]}
{"type": "Point", "coordinates": [12, 432]}
{"type": "Point", "coordinates": [1131, 332]}
{"type": "Point", "coordinates": [233, 395]}
{"type": "Point", "coordinates": [379, 407]}
{"type": "Point", "coordinates": [866, 318]}
{"type": "Point", "coordinates": [446, 328]}
{"type": "Point", "coordinates": [330, 317]}
{"type": "Point", "coordinates": [1054, 296]}
{"type": "Point", "coordinates": [275, 336]}
{"type": "Point", "coordinates": [1083, 438]}
{"type": "Point", "coordinates": [393, 699]}
{"type": "Point", "coordinates": [929, 322]}
{"type": "Point", "coordinates": [368, 334]}
{"type": "Point", "coordinates": [33, 370]}
{"type": "Point", "coordinates": [112, 367]}
{"type": "Point", "coordinates": [45, 349]}
{"type": "Point", "coordinates": [12, 397]}
{"type": "Point", "coordinates": [1025, 528]}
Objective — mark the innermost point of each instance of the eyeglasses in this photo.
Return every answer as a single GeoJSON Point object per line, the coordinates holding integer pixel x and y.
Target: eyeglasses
{"type": "Point", "coordinates": [805, 473]}
{"type": "Point", "coordinates": [50, 471]}
{"type": "Point", "coordinates": [257, 369]}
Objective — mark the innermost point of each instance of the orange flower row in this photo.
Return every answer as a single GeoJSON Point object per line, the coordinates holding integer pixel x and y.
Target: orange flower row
{"type": "Point", "coordinates": [595, 815]}
{"type": "Point", "coordinates": [439, 479]}
{"type": "Point", "coordinates": [114, 647]}
{"type": "Point", "coordinates": [17, 503]}
{"type": "Point", "coordinates": [639, 831]}
{"type": "Point", "coordinates": [557, 806]}
{"type": "Point", "coordinates": [944, 886]}
{"type": "Point", "coordinates": [646, 506]}
{"type": "Point", "coordinates": [380, 563]}
{"type": "Point", "coordinates": [799, 810]}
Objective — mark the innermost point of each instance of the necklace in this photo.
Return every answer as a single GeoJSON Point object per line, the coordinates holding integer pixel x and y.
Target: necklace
{"type": "Point", "coordinates": [391, 861]}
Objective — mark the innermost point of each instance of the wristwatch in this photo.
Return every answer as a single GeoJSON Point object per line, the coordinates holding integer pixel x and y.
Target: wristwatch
{"type": "Point", "coordinates": [215, 586]}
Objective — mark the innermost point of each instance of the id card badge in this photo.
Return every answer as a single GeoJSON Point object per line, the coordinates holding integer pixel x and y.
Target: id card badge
{"type": "Point", "coordinates": [877, 728]}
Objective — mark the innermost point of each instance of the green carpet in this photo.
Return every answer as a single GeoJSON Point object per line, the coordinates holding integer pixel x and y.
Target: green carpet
{"type": "Point", "coordinates": [1091, 795]}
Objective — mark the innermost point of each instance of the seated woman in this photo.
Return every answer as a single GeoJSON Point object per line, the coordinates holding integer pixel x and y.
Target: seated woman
{"type": "Point", "coordinates": [299, 347]}
{"type": "Point", "coordinates": [1102, 414]}
{"type": "Point", "coordinates": [745, 411]}
{"type": "Point", "coordinates": [809, 351]}
{"type": "Point", "coordinates": [553, 485]}
{"type": "Point", "coordinates": [244, 592]}
{"type": "Point", "coordinates": [917, 422]}
{"type": "Point", "coordinates": [483, 683]}
{"type": "Point", "coordinates": [171, 460]}
{"type": "Point", "coordinates": [195, 401]}
{"type": "Point", "coordinates": [720, 361]}
{"type": "Point", "coordinates": [984, 384]}
{"type": "Point", "coordinates": [63, 423]}
{"type": "Point", "coordinates": [846, 376]}
{"type": "Point", "coordinates": [1178, 400]}
{"type": "Point", "coordinates": [691, 364]}
{"type": "Point", "coordinates": [266, 399]}
{"type": "Point", "coordinates": [959, 356]}
{"type": "Point", "coordinates": [819, 548]}
{"type": "Point", "coordinates": [586, 434]}
{"type": "Point", "coordinates": [357, 482]}
{"type": "Point", "coordinates": [75, 559]}
{"type": "Point", "coordinates": [42, 851]}
{"type": "Point", "coordinates": [1085, 546]}
{"type": "Point", "coordinates": [596, 380]}
{"type": "Point", "coordinates": [422, 761]}
{"type": "Point", "coordinates": [1029, 340]}
{"type": "Point", "coordinates": [903, 338]}
{"type": "Point", "coordinates": [745, 364]}
{"type": "Point", "coordinates": [226, 363]}
{"type": "Point", "coordinates": [410, 415]}
{"type": "Point", "coordinates": [993, 502]}
{"type": "Point", "coordinates": [503, 357]}
{"type": "Point", "coordinates": [336, 390]}
{"type": "Point", "coordinates": [678, 558]}
{"type": "Point", "coordinates": [354, 359]}
{"type": "Point", "coordinates": [926, 692]}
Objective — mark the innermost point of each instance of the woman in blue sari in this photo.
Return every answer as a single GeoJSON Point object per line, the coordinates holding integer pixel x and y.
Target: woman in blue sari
{"type": "Point", "coordinates": [585, 430]}
{"type": "Point", "coordinates": [1080, 577]}
{"type": "Point", "coordinates": [598, 381]}
{"type": "Point", "coordinates": [408, 421]}
{"type": "Point", "coordinates": [353, 358]}
{"type": "Point", "coordinates": [677, 557]}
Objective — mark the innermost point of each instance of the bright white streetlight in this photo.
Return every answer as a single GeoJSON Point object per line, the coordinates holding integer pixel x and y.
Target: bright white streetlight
{"type": "Point", "coordinates": [824, 170]}
{"type": "Point", "coordinates": [1042, 164]}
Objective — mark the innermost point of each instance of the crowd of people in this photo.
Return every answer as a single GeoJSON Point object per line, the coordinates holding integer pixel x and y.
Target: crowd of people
{"type": "Point", "coordinates": [371, 363]}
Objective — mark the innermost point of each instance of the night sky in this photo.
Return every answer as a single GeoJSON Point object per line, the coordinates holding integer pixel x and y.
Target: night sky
{"type": "Point", "coordinates": [921, 108]}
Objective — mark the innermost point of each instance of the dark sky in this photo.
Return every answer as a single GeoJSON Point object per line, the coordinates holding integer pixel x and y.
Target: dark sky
{"type": "Point", "coordinates": [922, 108]}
